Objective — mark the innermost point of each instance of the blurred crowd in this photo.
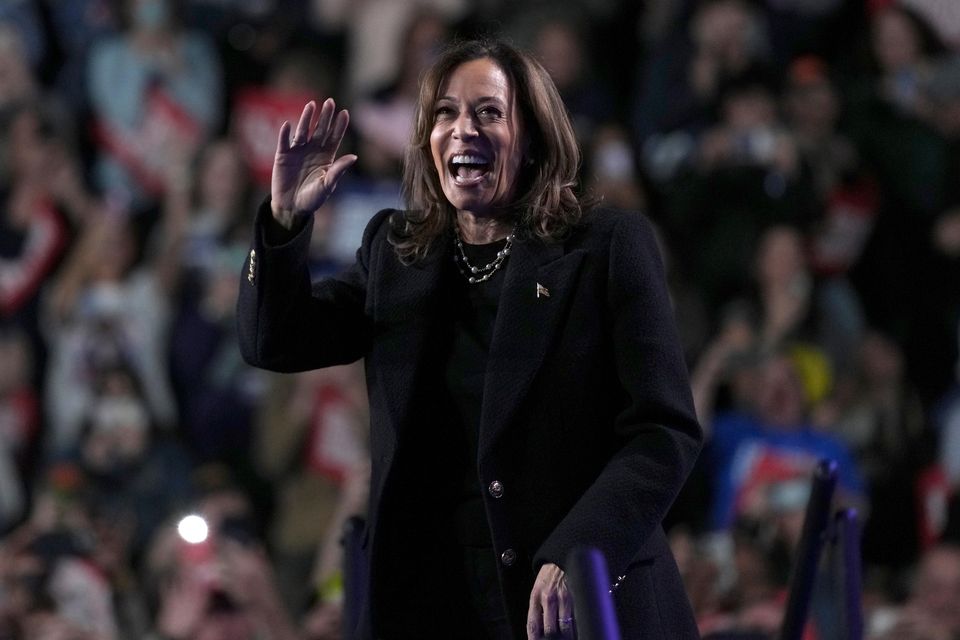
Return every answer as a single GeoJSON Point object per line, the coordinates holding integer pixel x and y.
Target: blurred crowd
{"type": "Point", "coordinates": [800, 159]}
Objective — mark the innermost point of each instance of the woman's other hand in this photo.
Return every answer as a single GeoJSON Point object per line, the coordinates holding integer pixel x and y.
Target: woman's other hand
{"type": "Point", "coordinates": [306, 168]}
{"type": "Point", "coordinates": [551, 606]}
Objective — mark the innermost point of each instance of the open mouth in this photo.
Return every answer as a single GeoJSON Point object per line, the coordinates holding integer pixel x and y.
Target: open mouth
{"type": "Point", "coordinates": [468, 169]}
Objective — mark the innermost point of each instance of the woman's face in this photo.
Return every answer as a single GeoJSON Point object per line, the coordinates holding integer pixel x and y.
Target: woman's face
{"type": "Point", "coordinates": [478, 138]}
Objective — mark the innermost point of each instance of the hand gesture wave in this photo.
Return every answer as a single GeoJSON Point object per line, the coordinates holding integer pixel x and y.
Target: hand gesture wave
{"type": "Point", "coordinates": [306, 168]}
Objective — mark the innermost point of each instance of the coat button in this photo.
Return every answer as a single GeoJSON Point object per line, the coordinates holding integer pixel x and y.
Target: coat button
{"type": "Point", "coordinates": [508, 557]}
{"type": "Point", "coordinates": [496, 489]}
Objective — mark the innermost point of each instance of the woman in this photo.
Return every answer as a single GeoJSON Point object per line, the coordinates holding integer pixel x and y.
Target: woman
{"type": "Point", "coordinates": [527, 389]}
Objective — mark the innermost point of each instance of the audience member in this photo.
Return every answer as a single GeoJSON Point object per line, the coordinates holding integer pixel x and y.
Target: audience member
{"type": "Point", "coordinates": [136, 476]}
{"type": "Point", "coordinates": [375, 31]}
{"type": "Point", "coordinates": [747, 179]}
{"type": "Point", "coordinates": [680, 82]}
{"type": "Point", "coordinates": [931, 611]}
{"type": "Point", "coordinates": [889, 109]}
{"type": "Point", "coordinates": [215, 390]}
{"type": "Point", "coordinates": [879, 416]}
{"type": "Point", "coordinates": [847, 196]}
{"type": "Point", "coordinates": [384, 116]}
{"type": "Point", "coordinates": [104, 312]}
{"type": "Point", "coordinates": [311, 445]}
{"type": "Point", "coordinates": [890, 120]}
{"type": "Point", "coordinates": [794, 306]}
{"type": "Point", "coordinates": [770, 441]}
{"type": "Point", "coordinates": [42, 197]}
{"type": "Point", "coordinates": [209, 574]}
{"type": "Point", "coordinates": [563, 50]}
{"type": "Point", "coordinates": [155, 93]}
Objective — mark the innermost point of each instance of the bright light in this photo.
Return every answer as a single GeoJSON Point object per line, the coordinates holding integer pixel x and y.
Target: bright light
{"type": "Point", "coordinates": [193, 529]}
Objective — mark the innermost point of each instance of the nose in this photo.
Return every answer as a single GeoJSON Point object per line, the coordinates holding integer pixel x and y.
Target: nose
{"type": "Point", "coordinates": [464, 127]}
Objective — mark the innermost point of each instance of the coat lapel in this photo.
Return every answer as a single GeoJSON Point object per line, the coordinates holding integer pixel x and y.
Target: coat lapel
{"type": "Point", "coordinates": [537, 287]}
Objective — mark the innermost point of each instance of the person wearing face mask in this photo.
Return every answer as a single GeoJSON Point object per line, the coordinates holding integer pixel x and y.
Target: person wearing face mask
{"type": "Point", "coordinates": [156, 92]}
{"type": "Point", "coordinates": [132, 468]}
{"type": "Point", "coordinates": [528, 392]}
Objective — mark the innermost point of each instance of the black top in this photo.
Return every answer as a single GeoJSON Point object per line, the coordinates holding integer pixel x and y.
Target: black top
{"type": "Point", "coordinates": [474, 311]}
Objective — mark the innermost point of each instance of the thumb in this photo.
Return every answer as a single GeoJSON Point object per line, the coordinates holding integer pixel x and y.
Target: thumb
{"type": "Point", "coordinates": [337, 169]}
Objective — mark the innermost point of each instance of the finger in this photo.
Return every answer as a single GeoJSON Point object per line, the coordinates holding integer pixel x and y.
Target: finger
{"type": "Point", "coordinates": [338, 130]}
{"type": "Point", "coordinates": [314, 120]}
{"type": "Point", "coordinates": [283, 140]}
{"type": "Point", "coordinates": [566, 621]}
{"type": "Point", "coordinates": [303, 126]}
{"type": "Point", "coordinates": [322, 132]}
{"type": "Point", "coordinates": [565, 613]}
{"type": "Point", "coordinates": [337, 169]}
{"type": "Point", "coordinates": [550, 610]}
{"type": "Point", "coordinates": [534, 621]}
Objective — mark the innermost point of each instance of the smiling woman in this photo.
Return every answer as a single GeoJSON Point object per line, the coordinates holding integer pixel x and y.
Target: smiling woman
{"type": "Point", "coordinates": [489, 98]}
{"type": "Point", "coordinates": [477, 144]}
{"type": "Point", "coordinates": [527, 388]}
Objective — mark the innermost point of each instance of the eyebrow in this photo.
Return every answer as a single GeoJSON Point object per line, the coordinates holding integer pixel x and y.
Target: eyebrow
{"type": "Point", "coordinates": [480, 99]}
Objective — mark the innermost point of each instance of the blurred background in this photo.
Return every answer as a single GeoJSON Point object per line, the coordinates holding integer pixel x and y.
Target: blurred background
{"type": "Point", "coordinates": [800, 159]}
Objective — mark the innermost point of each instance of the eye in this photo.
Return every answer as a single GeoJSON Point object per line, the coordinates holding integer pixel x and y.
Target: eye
{"type": "Point", "coordinates": [490, 111]}
{"type": "Point", "coordinates": [443, 111]}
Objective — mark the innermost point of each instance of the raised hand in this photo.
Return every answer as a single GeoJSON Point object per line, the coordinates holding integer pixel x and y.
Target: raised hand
{"type": "Point", "coordinates": [306, 168]}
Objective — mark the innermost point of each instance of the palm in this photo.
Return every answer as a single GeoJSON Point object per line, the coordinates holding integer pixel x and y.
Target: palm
{"type": "Point", "coordinates": [306, 168]}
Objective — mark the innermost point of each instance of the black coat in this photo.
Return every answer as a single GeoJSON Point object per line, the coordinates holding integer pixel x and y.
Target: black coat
{"type": "Point", "coordinates": [587, 420]}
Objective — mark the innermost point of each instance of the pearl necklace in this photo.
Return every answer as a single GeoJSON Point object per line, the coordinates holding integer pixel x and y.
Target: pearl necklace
{"type": "Point", "coordinates": [475, 274]}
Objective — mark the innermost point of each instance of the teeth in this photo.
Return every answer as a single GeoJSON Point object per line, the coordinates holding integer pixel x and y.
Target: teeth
{"type": "Point", "coordinates": [462, 158]}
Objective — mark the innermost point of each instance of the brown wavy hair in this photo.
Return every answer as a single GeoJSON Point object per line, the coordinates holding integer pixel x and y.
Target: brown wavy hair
{"type": "Point", "coordinates": [547, 205]}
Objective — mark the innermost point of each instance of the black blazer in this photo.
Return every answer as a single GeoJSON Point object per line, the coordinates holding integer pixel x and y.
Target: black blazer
{"type": "Point", "coordinates": [587, 422]}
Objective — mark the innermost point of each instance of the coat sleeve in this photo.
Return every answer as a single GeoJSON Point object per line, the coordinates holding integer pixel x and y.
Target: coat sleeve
{"type": "Point", "coordinates": [624, 507]}
{"type": "Point", "coordinates": [287, 323]}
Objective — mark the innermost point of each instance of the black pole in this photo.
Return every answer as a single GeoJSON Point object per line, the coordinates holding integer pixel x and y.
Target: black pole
{"type": "Point", "coordinates": [354, 574]}
{"type": "Point", "coordinates": [592, 603]}
{"type": "Point", "coordinates": [804, 571]}
{"type": "Point", "coordinates": [847, 573]}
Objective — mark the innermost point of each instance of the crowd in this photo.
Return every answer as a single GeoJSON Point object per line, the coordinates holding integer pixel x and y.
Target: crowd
{"type": "Point", "coordinates": [799, 158]}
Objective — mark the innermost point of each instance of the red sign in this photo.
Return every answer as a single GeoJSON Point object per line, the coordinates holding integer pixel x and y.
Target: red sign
{"type": "Point", "coordinates": [257, 115]}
